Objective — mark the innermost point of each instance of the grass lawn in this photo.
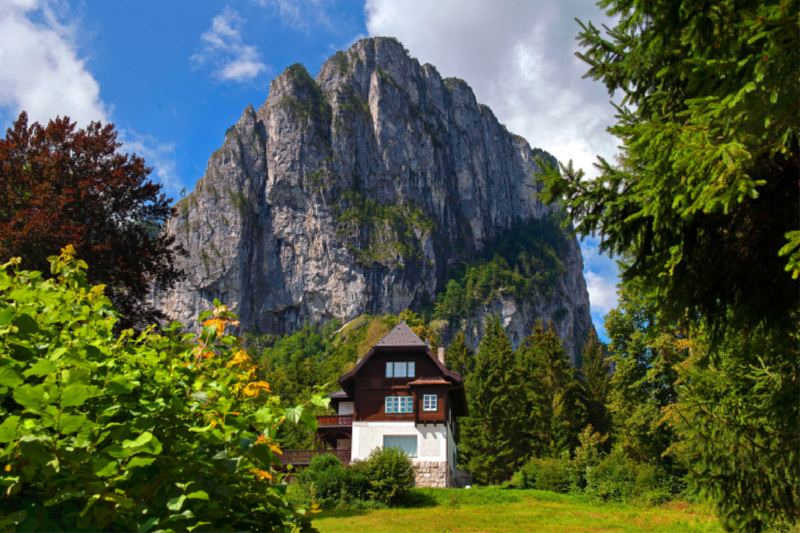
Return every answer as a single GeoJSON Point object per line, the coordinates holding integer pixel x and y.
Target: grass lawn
{"type": "Point", "coordinates": [451, 510]}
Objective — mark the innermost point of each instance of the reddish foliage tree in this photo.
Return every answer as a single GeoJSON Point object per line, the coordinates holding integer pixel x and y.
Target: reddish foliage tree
{"type": "Point", "coordinates": [60, 185]}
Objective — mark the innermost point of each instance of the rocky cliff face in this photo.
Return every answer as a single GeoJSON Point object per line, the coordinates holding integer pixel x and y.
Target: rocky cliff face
{"type": "Point", "coordinates": [353, 193]}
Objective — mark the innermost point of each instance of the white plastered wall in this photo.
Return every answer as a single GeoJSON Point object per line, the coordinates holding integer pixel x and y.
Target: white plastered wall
{"type": "Point", "coordinates": [432, 440]}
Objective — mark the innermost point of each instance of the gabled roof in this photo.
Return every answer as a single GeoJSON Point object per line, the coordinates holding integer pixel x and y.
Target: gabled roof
{"type": "Point", "coordinates": [338, 395]}
{"type": "Point", "coordinates": [400, 335]}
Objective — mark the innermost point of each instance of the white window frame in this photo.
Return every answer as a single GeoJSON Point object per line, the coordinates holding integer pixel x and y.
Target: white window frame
{"type": "Point", "coordinates": [415, 437]}
{"type": "Point", "coordinates": [430, 402]}
{"type": "Point", "coordinates": [399, 405]}
{"type": "Point", "coordinates": [401, 369]}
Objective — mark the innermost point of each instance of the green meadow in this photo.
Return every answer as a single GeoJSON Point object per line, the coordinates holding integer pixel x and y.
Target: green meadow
{"type": "Point", "coordinates": [452, 510]}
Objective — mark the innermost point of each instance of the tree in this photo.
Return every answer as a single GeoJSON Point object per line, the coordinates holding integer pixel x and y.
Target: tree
{"type": "Point", "coordinates": [703, 203]}
{"type": "Point", "coordinates": [554, 415]}
{"type": "Point", "coordinates": [460, 357]}
{"type": "Point", "coordinates": [737, 420]}
{"type": "Point", "coordinates": [645, 353]}
{"type": "Point", "coordinates": [490, 436]}
{"type": "Point", "coordinates": [596, 369]}
{"type": "Point", "coordinates": [704, 198]}
{"type": "Point", "coordinates": [64, 186]}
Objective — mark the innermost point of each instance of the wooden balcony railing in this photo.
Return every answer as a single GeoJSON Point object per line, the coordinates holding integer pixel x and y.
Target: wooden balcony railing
{"type": "Point", "coordinates": [303, 457]}
{"type": "Point", "coordinates": [335, 420]}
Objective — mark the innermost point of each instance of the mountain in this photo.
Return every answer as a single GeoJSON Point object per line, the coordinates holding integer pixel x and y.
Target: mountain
{"type": "Point", "coordinates": [366, 190]}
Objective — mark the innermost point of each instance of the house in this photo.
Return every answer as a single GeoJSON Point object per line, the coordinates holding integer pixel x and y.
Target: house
{"type": "Point", "coordinates": [399, 394]}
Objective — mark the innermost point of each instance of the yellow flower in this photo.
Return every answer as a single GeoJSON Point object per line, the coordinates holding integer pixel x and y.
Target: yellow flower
{"type": "Point", "coordinates": [252, 389]}
{"type": "Point", "coordinates": [261, 475]}
{"type": "Point", "coordinates": [240, 358]}
{"type": "Point", "coordinates": [219, 324]}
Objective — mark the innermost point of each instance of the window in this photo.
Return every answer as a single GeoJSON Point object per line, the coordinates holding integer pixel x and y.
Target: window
{"type": "Point", "coordinates": [429, 402]}
{"type": "Point", "coordinates": [402, 369]}
{"type": "Point", "coordinates": [407, 444]}
{"type": "Point", "coordinates": [399, 404]}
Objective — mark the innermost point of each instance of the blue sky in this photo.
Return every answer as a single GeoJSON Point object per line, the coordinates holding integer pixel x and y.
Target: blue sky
{"type": "Point", "coordinates": [173, 76]}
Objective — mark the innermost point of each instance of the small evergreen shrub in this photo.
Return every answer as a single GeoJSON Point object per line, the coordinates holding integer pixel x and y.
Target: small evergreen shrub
{"type": "Point", "coordinates": [390, 474]}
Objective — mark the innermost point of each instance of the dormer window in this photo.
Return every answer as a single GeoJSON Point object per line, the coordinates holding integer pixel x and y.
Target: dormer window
{"type": "Point", "coordinates": [402, 369]}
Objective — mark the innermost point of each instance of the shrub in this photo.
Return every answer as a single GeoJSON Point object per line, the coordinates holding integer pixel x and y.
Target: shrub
{"type": "Point", "coordinates": [328, 482]}
{"type": "Point", "coordinates": [152, 432]}
{"type": "Point", "coordinates": [390, 474]}
{"type": "Point", "coordinates": [553, 474]}
{"type": "Point", "coordinates": [619, 478]}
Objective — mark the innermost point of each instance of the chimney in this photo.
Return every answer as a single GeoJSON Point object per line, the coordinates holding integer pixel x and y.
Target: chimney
{"type": "Point", "coordinates": [441, 354]}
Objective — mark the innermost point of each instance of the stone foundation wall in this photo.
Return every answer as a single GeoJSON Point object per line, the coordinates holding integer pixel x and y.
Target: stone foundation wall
{"type": "Point", "coordinates": [432, 474]}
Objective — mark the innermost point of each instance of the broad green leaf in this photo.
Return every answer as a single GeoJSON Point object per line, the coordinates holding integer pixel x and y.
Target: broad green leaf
{"type": "Point", "coordinates": [175, 504]}
{"type": "Point", "coordinates": [293, 413]}
{"type": "Point", "coordinates": [103, 467]}
{"type": "Point", "coordinates": [144, 528]}
{"type": "Point", "coordinates": [7, 315]}
{"type": "Point", "coordinates": [10, 377]}
{"type": "Point", "coordinates": [42, 367]}
{"type": "Point", "coordinates": [120, 386]}
{"type": "Point", "coordinates": [139, 461]}
{"type": "Point", "coordinates": [76, 395]}
{"type": "Point", "coordinates": [145, 443]}
{"type": "Point", "coordinates": [31, 397]}
{"type": "Point", "coordinates": [320, 400]}
{"type": "Point", "coordinates": [199, 495]}
{"type": "Point", "coordinates": [70, 423]}
{"type": "Point", "coordinates": [309, 421]}
{"type": "Point", "coordinates": [27, 325]}
{"type": "Point", "coordinates": [8, 429]}
{"type": "Point", "coordinates": [117, 452]}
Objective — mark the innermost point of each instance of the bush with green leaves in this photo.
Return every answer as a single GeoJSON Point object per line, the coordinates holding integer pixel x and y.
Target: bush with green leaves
{"type": "Point", "coordinates": [611, 477]}
{"type": "Point", "coordinates": [390, 474]}
{"type": "Point", "coordinates": [130, 433]}
{"type": "Point", "coordinates": [328, 482]}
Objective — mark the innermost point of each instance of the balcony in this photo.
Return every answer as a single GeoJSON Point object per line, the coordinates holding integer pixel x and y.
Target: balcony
{"type": "Point", "coordinates": [335, 421]}
{"type": "Point", "coordinates": [303, 457]}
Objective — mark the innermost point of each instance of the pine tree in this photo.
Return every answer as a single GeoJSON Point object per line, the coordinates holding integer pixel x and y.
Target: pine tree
{"type": "Point", "coordinates": [596, 369]}
{"type": "Point", "coordinates": [554, 413]}
{"type": "Point", "coordinates": [460, 357]}
{"type": "Point", "coordinates": [490, 436]}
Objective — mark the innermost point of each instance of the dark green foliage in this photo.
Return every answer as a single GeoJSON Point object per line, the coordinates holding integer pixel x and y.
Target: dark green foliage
{"type": "Point", "coordinates": [380, 232]}
{"type": "Point", "coordinates": [460, 357]}
{"type": "Point", "coordinates": [390, 475]}
{"type": "Point", "coordinates": [521, 263]}
{"type": "Point", "coordinates": [385, 478]}
{"type": "Point", "coordinates": [330, 483]}
{"type": "Point", "coordinates": [491, 446]}
{"type": "Point", "coordinates": [106, 432]}
{"type": "Point", "coordinates": [737, 420]}
{"type": "Point", "coordinates": [704, 198]}
{"type": "Point", "coordinates": [590, 471]}
{"type": "Point", "coordinates": [645, 353]}
{"type": "Point", "coordinates": [553, 411]}
{"type": "Point", "coordinates": [597, 385]}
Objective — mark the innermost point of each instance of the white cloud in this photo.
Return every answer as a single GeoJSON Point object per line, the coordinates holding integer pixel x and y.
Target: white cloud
{"type": "Point", "coordinates": [160, 156]}
{"type": "Point", "coordinates": [223, 46]}
{"type": "Point", "coordinates": [299, 14]}
{"type": "Point", "coordinates": [518, 56]}
{"type": "Point", "coordinates": [602, 292]}
{"type": "Point", "coordinates": [40, 70]}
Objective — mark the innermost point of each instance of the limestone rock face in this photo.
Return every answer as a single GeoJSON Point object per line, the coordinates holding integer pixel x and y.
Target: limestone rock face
{"type": "Point", "coordinates": [353, 193]}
